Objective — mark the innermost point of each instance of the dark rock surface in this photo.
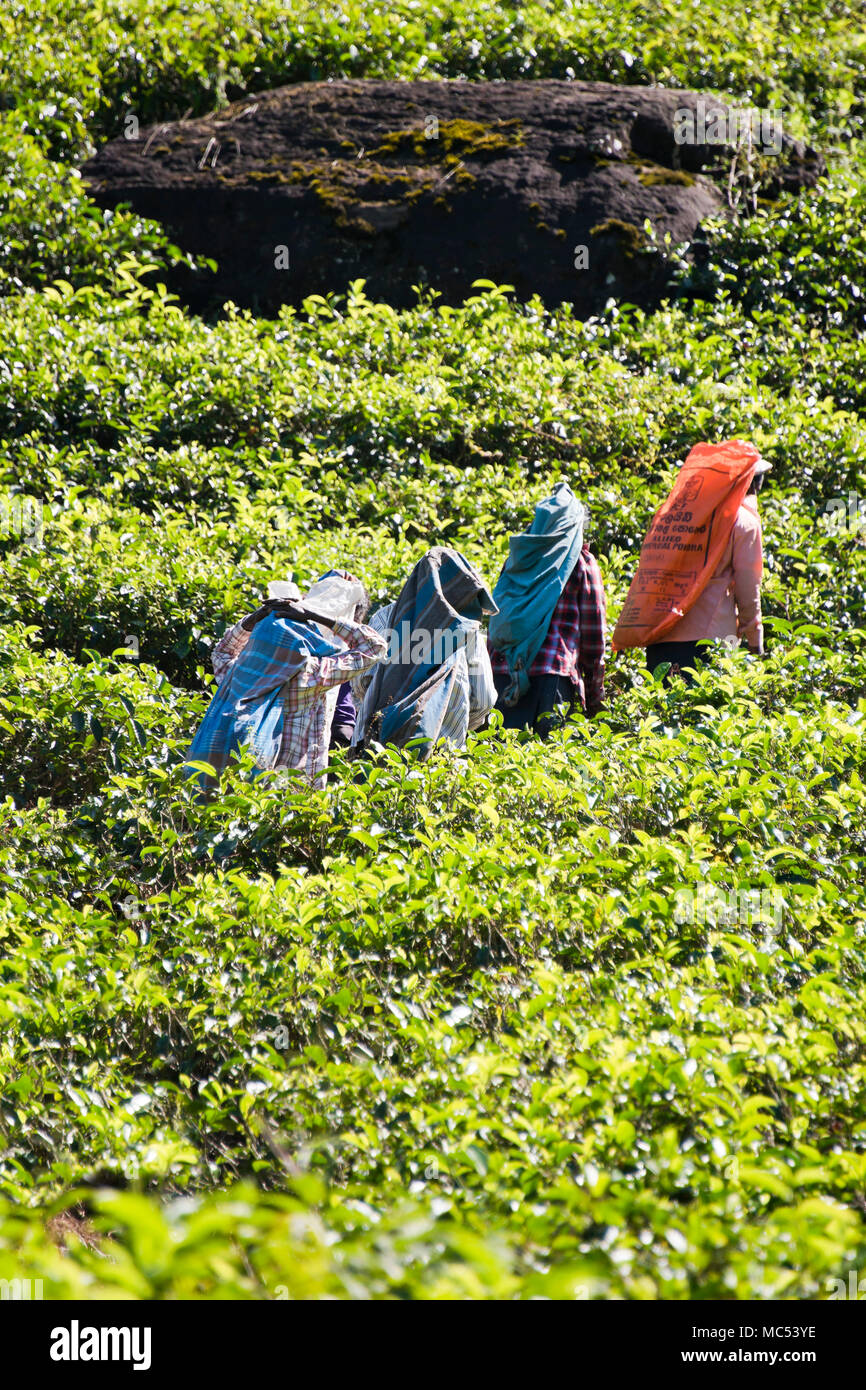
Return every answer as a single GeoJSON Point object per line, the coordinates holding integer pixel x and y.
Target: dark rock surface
{"type": "Point", "coordinates": [301, 190]}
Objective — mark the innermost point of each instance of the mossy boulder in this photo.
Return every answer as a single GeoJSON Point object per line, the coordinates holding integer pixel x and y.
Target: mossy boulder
{"type": "Point", "coordinates": [303, 189]}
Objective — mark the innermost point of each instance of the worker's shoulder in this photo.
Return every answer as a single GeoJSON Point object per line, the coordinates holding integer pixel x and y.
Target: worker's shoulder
{"type": "Point", "coordinates": [747, 521]}
{"type": "Point", "coordinates": [587, 566]}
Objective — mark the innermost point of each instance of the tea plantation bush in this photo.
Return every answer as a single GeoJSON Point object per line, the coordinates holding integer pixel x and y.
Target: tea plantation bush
{"type": "Point", "coordinates": [452, 1029]}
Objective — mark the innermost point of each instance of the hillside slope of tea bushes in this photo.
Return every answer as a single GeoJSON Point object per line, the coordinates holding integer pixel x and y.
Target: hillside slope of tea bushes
{"type": "Point", "coordinates": [467, 1028]}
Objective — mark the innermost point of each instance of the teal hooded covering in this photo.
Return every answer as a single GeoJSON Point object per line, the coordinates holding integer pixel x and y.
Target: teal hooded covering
{"type": "Point", "coordinates": [539, 565]}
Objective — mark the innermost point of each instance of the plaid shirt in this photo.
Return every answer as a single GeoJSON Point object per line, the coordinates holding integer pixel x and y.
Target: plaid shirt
{"type": "Point", "coordinates": [299, 738]}
{"type": "Point", "coordinates": [575, 641]}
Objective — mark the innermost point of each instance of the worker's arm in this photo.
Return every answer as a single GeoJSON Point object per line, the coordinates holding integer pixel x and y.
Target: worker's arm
{"type": "Point", "coordinates": [364, 648]}
{"type": "Point", "coordinates": [228, 649]}
{"type": "Point", "coordinates": [593, 634]}
{"type": "Point", "coordinates": [235, 638]}
{"type": "Point", "coordinates": [748, 563]}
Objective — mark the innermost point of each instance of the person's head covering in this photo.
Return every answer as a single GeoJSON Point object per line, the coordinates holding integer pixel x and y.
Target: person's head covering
{"type": "Point", "coordinates": [336, 595]}
{"type": "Point", "coordinates": [284, 589]}
{"type": "Point", "coordinates": [686, 540]}
{"type": "Point", "coordinates": [539, 565]}
{"type": "Point", "coordinates": [762, 465]}
{"type": "Point", "coordinates": [443, 597]}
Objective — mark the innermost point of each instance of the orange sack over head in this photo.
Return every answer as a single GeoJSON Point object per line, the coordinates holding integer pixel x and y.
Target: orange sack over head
{"type": "Point", "coordinates": [685, 541]}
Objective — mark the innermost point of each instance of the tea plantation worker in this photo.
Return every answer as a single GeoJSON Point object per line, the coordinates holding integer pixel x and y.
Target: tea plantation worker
{"type": "Point", "coordinates": [275, 671]}
{"type": "Point", "coordinates": [436, 682]}
{"type": "Point", "coordinates": [701, 563]}
{"type": "Point", "coordinates": [547, 641]}
{"type": "Point", "coordinates": [341, 600]}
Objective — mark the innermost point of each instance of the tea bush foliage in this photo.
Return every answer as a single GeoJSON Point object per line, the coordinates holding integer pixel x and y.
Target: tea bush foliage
{"type": "Point", "coordinates": [441, 1030]}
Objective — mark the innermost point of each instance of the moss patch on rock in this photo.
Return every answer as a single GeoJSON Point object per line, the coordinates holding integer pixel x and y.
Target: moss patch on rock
{"type": "Point", "coordinates": [651, 178]}
{"type": "Point", "coordinates": [344, 185]}
{"type": "Point", "coordinates": [452, 141]}
{"type": "Point", "coordinates": [632, 239]}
